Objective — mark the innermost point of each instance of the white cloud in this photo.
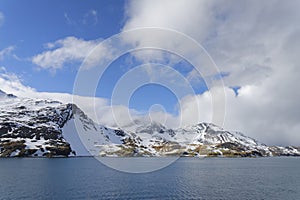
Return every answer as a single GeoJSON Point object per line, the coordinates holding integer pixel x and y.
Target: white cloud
{"type": "Point", "coordinates": [11, 83]}
{"type": "Point", "coordinates": [241, 37]}
{"type": "Point", "coordinates": [195, 109]}
{"type": "Point", "coordinates": [247, 43]}
{"type": "Point", "coordinates": [178, 15]}
{"type": "Point", "coordinates": [6, 52]}
{"type": "Point", "coordinates": [64, 51]}
{"type": "Point", "coordinates": [191, 18]}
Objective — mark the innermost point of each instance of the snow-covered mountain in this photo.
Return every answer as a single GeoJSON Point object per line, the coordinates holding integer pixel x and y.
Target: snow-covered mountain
{"type": "Point", "coordinates": [39, 127]}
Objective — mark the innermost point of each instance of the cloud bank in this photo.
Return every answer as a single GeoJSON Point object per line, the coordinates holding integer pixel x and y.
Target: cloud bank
{"type": "Point", "coordinates": [254, 43]}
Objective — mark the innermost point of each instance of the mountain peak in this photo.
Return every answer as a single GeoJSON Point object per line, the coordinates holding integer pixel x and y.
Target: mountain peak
{"type": "Point", "coordinates": [37, 127]}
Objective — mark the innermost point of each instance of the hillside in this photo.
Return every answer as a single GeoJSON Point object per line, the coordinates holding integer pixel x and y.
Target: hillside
{"type": "Point", "coordinates": [48, 128]}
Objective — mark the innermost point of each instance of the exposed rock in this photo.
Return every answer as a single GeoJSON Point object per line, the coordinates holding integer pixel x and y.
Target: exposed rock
{"type": "Point", "coordinates": [36, 127]}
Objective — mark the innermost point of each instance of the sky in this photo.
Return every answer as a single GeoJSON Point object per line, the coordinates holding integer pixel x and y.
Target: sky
{"type": "Point", "coordinates": [233, 63]}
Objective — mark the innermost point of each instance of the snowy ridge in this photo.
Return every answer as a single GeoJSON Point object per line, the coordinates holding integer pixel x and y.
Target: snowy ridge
{"type": "Point", "coordinates": [38, 127]}
{"type": "Point", "coordinates": [41, 127]}
{"type": "Point", "coordinates": [33, 127]}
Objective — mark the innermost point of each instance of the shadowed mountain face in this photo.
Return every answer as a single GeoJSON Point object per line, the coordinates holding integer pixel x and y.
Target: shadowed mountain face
{"type": "Point", "coordinates": [3, 94]}
{"type": "Point", "coordinates": [38, 127]}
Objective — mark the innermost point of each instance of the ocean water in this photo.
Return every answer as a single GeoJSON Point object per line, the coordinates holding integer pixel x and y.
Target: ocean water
{"type": "Point", "coordinates": [187, 178]}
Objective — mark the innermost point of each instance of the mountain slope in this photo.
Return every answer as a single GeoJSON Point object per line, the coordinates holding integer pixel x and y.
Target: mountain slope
{"type": "Point", "coordinates": [37, 127]}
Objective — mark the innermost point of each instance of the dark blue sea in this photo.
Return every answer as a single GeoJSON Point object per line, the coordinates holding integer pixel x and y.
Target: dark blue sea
{"type": "Point", "coordinates": [187, 178]}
